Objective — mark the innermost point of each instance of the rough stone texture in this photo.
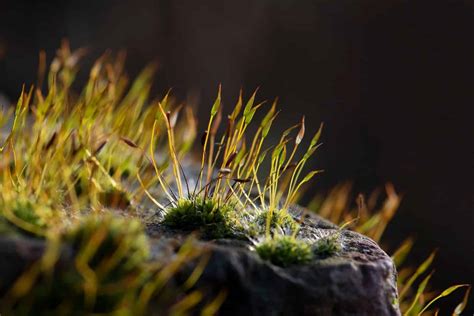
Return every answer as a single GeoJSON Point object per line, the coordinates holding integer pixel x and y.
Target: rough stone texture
{"type": "Point", "coordinates": [359, 280]}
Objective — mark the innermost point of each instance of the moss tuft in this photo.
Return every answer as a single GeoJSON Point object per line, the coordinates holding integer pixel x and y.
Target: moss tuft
{"type": "Point", "coordinates": [122, 239]}
{"type": "Point", "coordinates": [278, 218]}
{"type": "Point", "coordinates": [24, 212]}
{"type": "Point", "coordinates": [285, 251]}
{"type": "Point", "coordinates": [327, 246]}
{"type": "Point", "coordinates": [110, 256]}
{"type": "Point", "coordinates": [215, 221]}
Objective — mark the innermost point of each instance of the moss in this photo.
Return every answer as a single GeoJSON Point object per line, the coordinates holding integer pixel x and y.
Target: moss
{"type": "Point", "coordinates": [285, 251]}
{"type": "Point", "coordinates": [26, 212]}
{"type": "Point", "coordinates": [55, 154]}
{"type": "Point", "coordinates": [278, 218]}
{"type": "Point", "coordinates": [327, 246]}
{"type": "Point", "coordinates": [215, 221]}
{"type": "Point", "coordinates": [110, 256]}
{"type": "Point", "coordinates": [112, 234]}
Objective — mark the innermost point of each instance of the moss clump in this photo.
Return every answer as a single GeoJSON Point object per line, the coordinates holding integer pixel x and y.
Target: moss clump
{"type": "Point", "coordinates": [24, 212]}
{"type": "Point", "coordinates": [122, 239]}
{"type": "Point", "coordinates": [109, 263]}
{"type": "Point", "coordinates": [327, 246]}
{"type": "Point", "coordinates": [116, 249]}
{"type": "Point", "coordinates": [278, 218]}
{"type": "Point", "coordinates": [285, 251]}
{"type": "Point", "coordinates": [215, 221]}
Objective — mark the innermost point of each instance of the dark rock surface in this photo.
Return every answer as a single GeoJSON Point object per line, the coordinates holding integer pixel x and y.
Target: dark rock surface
{"type": "Point", "coordinates": [358, 280]}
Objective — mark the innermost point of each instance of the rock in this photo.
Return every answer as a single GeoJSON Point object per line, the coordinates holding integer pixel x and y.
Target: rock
{"type": "Point", "coordinates": [358, 280]}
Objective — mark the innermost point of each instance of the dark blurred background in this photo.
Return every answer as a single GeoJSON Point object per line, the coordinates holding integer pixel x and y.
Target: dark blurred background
{"type": "Point", "coordinates": [391, 79]}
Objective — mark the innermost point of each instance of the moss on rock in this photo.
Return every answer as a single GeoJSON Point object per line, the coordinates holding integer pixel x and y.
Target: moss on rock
{"type": "Point", "coordinates": [285, 251]}
{"type": "Point", "coordinates": [215, 221]}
